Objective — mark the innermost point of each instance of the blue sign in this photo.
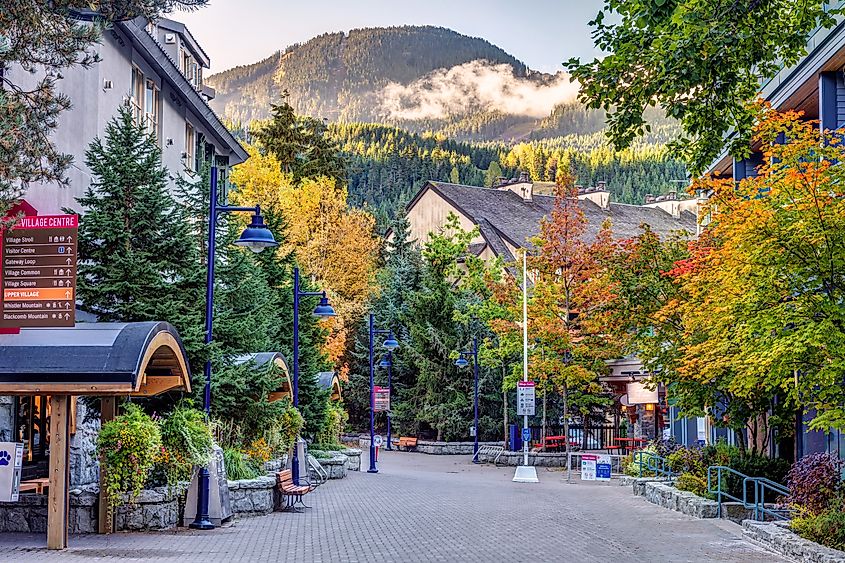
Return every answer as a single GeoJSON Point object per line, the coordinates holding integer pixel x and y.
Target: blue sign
{"type": "Point", "coordinates": [526, 434]}
{"type": "Point", "coordinates": [602, 471]}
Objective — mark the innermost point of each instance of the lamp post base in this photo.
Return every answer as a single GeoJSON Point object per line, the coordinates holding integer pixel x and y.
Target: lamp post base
{"type": "Point", "coordinates": [372, 470]}
{"type": "Point", "coordinates": [201, 525]}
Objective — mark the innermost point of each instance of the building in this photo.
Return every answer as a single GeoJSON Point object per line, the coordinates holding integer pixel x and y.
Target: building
{"type": "Point", "coordinates": [508, 215]}
{"type": "Point", "coordinates": [156, 70]}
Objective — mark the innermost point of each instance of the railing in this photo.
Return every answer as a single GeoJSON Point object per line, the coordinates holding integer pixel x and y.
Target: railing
{"type": "Point", "coordinates": [760, 485]}
{"type": "Point", "coordinates": [321, 474]}
{"type": "Point", "coordinates": [653, 462]}
{"type": "Point", "coordinates": [492, 453]}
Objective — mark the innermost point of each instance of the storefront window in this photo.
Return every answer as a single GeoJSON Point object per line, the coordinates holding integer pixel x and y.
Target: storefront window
{"type": "Point", "coordinates": [32, 427]}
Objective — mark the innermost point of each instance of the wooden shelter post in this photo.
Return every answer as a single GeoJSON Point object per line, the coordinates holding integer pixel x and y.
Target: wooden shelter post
{"type": "Point", "coordinates": [58, 496]}
{"type": "Point", "coordinates": [105, 519]}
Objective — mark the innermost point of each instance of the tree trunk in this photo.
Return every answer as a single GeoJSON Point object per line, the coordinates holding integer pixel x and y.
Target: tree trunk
{"type": "Point", "coordinates": [543, 428]}
{"type": "Point", "coordinates": [566, 420]}
{"type": "Point", "coordinates": [505, 416]}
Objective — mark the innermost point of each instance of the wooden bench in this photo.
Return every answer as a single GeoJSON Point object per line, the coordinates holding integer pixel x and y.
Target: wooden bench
{"type": "Point", "coordinates": [407, 443]}
{"type": "Point", "coordinates": [291, 492]}
{"type": "Point", "coordinates": [36, 485]}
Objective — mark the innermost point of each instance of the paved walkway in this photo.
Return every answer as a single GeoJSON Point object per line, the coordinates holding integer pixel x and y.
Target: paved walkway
{"type": "Point", "coordinates": [429, 508]}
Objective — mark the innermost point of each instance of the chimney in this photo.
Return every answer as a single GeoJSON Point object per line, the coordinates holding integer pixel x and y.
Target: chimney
{"type": "Point", "coordinates": [601, 185]}
{"type": "Point", "coordinates": [649, 198]}
{"type": "Point", "coordinates": [524, 177]}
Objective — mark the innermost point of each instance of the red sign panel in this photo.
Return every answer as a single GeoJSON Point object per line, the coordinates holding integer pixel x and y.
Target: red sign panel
{"type": "Point", "coordinates": [381, 398]}
{"type": "Point", "coordinates": [39, 272]}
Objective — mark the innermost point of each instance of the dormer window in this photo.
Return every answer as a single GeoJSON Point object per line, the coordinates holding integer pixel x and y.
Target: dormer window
{"type": "Point", "coordinates": [191, 69]}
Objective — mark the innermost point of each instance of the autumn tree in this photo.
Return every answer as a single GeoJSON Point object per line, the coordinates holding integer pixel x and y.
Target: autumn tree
{"type": "Point", "coordinates": [765, 286]}
{"type": "Point", "coordinates": [700, 61]}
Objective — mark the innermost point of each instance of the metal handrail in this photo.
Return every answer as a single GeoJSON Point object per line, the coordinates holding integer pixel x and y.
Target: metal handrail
{"type": "Point", "coordinates": [760, 486]}
{"type": "Point", "coordinates": [489, 450]}
{"type": "Point", "coordinates": [653, 462]}
{"type": "Point", "coordinates": [319, 470]}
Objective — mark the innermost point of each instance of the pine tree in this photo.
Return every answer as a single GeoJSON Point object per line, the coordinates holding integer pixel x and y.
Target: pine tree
{"type": "Point", "coordinates": [137, 261]}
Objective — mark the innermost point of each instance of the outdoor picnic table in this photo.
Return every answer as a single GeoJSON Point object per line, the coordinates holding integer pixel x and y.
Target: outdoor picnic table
{"type": "Point", "coordinates": [631, 444]}
{"type": "Point", "coordinates": [555, 442]}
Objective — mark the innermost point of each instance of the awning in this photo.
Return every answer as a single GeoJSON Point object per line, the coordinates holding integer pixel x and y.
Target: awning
{"type": "Point", "coordinates": [330, 380]}
{"type": "Point", "coordinates": [262, 359]}
{"type": "Point", "coordinates": [142, 359]}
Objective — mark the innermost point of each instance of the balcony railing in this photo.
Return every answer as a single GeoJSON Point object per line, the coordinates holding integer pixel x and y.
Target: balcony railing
{"type": "Point", "coordinates": [142, 118]}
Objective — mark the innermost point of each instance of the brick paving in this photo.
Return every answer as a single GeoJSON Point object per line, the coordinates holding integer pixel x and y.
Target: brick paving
{"type": "Point", "coordinates": [430, 508]}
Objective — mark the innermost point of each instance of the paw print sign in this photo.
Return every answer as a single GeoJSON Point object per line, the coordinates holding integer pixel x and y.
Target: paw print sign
{"type": "Point", "coordinates": [11, 457]}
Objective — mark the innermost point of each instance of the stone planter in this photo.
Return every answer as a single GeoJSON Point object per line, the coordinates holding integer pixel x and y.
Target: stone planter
{"type": "Point", "coordinates": [667, 496]}
{"type": "Point", "coordinates": [353, 459]}
{"type": "Point", "coordinates": [275, 465]}
{"type": "Point", "coordinates": [335, 466]}
{"type": "Point", "coordinates": [252, 497]}
{"type": "Point", "coordinates": [153, 509]}
{"type": "Point", "coordinates": [777, 537]}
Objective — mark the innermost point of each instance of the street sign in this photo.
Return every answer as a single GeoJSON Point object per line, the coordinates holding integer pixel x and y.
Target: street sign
{"type": "Point", "coordinates": [526, 434]}
{"type": "Point", "coordinates": [588, 467]}
{"type": "Point", "coordinates": [603, 468]}
{"type": "Point", "coordinates": [11, 460]}
{"type": "Point", "coordinates": [382, 398]}
{"type": "Point", "coordinates": [378, 441]}
{"type": "Point", "coordinates": [525, 398]}
{"type": "Point", "coordinates": [39, 272]}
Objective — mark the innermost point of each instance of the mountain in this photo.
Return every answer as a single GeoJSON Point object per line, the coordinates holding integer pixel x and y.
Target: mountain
{"type": "Point", "coordinates": [343, 76]}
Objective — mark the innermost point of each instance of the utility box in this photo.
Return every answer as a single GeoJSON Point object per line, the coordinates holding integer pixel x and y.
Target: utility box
{"type": "Point", "coordinates": [515, 441]}
{"type": "Point", "coordinates": [219, 503]}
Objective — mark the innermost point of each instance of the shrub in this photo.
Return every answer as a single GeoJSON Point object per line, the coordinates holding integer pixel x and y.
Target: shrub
{"type": "Point", "coordinates": [827, 527]}
{"type": "Point", "coordinates": [755, 465]}
{"type": "Point", "coordinates": [688, 460]}
{"type": "Point", "coordinates": [128, 447]}
{"type": "Point", "coordinates": [814, 481]}
{"type": "Point", "coordinates": [186, 440]}
{"type": "Point", "coordinates": [320, 454]}
{"type": "Point", "coordinates": [258, 451]}
{"type": "Point", "coordinates": [693, 483]}
{"type": "Point", "coordinates": [333, 424]}
{"type": "Point", "coordinates": [240, 466]}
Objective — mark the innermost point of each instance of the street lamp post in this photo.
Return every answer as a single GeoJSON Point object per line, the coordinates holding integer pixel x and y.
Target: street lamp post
{"type": "Point", "coordinates": [461, 362]}
{"type": "Point", "coordinates": [391, 344]}
{"type": "Point", "coordinates": [256, 237]}
{"type": "Point", "coordinates": [387, 363]}
{"type": "Point", "coordinates": [323, 310]}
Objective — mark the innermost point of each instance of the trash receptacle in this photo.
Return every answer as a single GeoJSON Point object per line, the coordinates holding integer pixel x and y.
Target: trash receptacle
{"type": "Point", "coordinates": [515, 434]}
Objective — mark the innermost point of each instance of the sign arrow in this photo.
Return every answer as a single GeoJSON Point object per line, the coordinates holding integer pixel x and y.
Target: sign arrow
{"type": "Point", "coordinates": [67, 294]}
{"type": "Point", "coordinates": [67, 316]}
{"type": "Point", "coordinates": [69, 261]}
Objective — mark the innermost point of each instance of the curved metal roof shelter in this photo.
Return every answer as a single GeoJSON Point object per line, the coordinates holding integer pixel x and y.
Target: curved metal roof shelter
{"type": "Point", "coordinates": [263, 358]}
{"type": "Point", "coordinates": [142, 359]}
{"type": "Point", "coordinates": [330, 380]}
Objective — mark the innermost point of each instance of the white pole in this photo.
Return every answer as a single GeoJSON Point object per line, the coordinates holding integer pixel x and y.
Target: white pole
{"type": "Point", "coordinates": [525, 342]}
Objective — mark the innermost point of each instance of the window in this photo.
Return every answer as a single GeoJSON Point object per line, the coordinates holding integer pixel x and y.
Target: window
{"type": "Point", "coordinates": [151, 105]}
{"type": "Point", "coordinates": [191, 70]}
{"type": "Point", "coordinates": [190, 147]}
{"type": "Point", "coordinates": [145, 102]}
{"type": "Point", "coordinates": [32, 427]}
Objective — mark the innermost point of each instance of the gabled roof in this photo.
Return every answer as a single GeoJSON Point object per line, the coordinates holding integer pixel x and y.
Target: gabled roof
{"type": "Point", "coordinates": [504, 216]}
{"type": "Point", "coordinates": [192, 44]}
{"type": "Point", "coordinates": [158, 58]}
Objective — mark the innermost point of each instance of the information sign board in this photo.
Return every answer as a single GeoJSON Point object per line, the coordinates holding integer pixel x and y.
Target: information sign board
{"type": "Point", "coordinates": [525, 398]}
{"type": "Point", "coordinates": [38, 273]}
{"type": "Point", "coordinates": [382, 398]}
{"type": "Point", "coordinates": [603, 468]}
{"type": "Point", "coordinates": [11, 461]}
{"type": "Point", "coordinates": [588, 467]}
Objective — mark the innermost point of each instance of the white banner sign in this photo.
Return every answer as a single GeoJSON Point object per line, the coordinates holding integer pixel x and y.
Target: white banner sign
{"type": "Point", "coordinates": [639, 395]}
{"type": "Point", "coordinates": [11, 460]}
{"type": "Point", "coordinates": [525, 398]}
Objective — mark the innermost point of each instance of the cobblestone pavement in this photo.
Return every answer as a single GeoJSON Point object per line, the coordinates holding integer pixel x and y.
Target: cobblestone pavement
{"type": "Point", "coordinates": [432, 508]}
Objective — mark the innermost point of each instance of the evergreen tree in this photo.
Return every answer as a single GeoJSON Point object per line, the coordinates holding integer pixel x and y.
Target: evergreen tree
{"type": "Point", "coordinates": [137, 261]}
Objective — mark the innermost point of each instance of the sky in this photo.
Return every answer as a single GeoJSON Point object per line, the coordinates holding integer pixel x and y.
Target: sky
{"type": "Point", "coordinates": [541, 33]}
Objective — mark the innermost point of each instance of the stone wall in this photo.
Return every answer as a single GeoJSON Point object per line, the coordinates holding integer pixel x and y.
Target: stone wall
{"type": "Point", "coordinates": [153, 509]}
{"type": "Point", "coordinates": [29, 514]}
{"type": "Point", "coordinates": [353, 459]}
{"type": "Point", "coordinates": [335, 466]}
{"type": "Point", "coordinates": [252, 497]}
{"type": "Point", "coordinates": [777, 537]}
{"type": "Point", "coordinates": [84, 466]}
{"type": "Point", "coordinates": [667, 496]}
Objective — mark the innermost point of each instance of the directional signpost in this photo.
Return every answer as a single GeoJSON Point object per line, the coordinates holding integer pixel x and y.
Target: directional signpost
{"type": "Point", "coordinates": [382, 398]}
{"type": "Point", "coordinates": [38, 272]}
